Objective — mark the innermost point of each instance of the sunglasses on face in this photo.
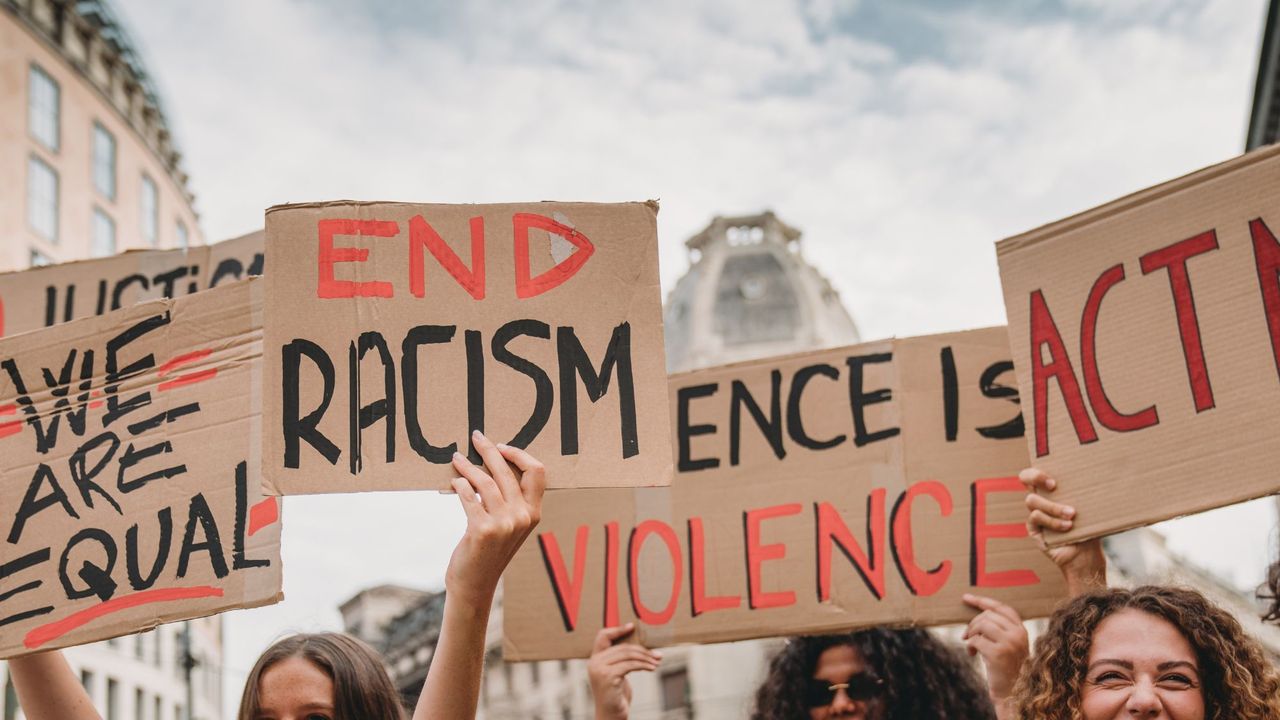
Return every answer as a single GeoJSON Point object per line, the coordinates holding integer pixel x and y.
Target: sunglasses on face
{"type": "Point", "coordinates": [859, 687]}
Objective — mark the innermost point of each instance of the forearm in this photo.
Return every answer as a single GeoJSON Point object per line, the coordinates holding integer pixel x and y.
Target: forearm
{"type": "Point", "coordinates": [49, 690]}
{"type": "Point", "coordinates": [1086, 577]}
{"type": "Point", "coordinates": [452, 688]}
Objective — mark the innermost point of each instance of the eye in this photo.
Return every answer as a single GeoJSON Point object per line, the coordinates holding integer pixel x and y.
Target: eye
{"type": "Point", "coordinates": [1109, 677]}
{"type": "Point", "coordinates": [1178, 681]}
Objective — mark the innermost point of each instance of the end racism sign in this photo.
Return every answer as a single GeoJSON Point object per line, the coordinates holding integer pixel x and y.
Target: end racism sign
{"type": "Point", "coordinates": [130, 487]}
{"type": "Point", "coordinates": [1147, 339]}
{"type": "Point", "coordinates": [45, 296]}
{"type": "Point", "coordinates": [394, 330]}
{"type": "Point", "coordinates": [822, 492]}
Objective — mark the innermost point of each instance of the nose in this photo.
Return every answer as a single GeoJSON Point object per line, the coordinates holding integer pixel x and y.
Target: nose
{"type": "Point", "coordinates": [1143, 702]}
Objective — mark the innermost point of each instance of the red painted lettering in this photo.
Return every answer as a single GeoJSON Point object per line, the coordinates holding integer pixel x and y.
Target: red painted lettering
{"type": "Point", "coordinates": [568, 589]}
{"type": "Point", "coordinates": [981, 532]}
{"type": "Point", "coordinates": [918, 580]}
{"type": "Point", "coordinates": [1266, 254]}
{"type": "Point", "coordinates": [1044, 334]}
{"type": "Point", "coordinates": [423, 235]}
{"type": "Point", "coordinates": [1174, 259]}
{"type": "Point", "coordinates": [611, 575]}
{"type": "Point", "coordinates": [758, 554]}
{"type": "Point", "coordinates": [638, 536]}
{"type": "Point", "coordinates": [1103, 409]}
{"type": "Point", "coordinates": [526, 286]}
{"type": "Point", "coordinates": [180, 361]}
{"type": "Point", "coordinates": [832, 531]}
{"type": "Point", "coordinates": [699, 602]}
{"type": "Point", "coordinates": [327, 286]}
{"type": "Point", "coordinates": [12, 427]}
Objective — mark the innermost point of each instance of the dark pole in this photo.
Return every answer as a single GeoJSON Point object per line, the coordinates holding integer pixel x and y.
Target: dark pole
{"type": "Point", "coordinates": [188, 664]}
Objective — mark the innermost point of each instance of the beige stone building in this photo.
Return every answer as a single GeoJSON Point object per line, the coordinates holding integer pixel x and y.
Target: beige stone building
{"type": "Point", "coordinates": [88, 167]}
{"type": "Point", "coordinates": [88, 164]}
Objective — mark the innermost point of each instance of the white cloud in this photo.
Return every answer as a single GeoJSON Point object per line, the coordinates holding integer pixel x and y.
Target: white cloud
{"type": "Point", "coordinates": [902, 160]}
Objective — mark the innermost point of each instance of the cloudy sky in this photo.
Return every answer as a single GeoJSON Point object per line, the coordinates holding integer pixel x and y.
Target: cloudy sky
{"type": "Point", "coordinates": [904, 137]}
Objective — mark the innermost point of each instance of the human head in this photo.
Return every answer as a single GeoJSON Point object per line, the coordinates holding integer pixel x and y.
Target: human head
{"type": "Point", "coordinates": [361, 687]}
{"type": "Point", "coordinates": [1235, 680]}
{"type": "Point", "coordinates": [922, 677]}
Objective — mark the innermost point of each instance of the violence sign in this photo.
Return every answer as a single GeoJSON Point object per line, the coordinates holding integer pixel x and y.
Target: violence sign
{"type": "Point", "coordinates": [838, 489]}
{"type": "Point", "coordinates": [1146, 334]}
{"type": "Point", "coordinates": [130, 483]}
{"type": "Point", "coordinates": [45, 296]}
{"type": "Point", "coordinates": [394, 330]}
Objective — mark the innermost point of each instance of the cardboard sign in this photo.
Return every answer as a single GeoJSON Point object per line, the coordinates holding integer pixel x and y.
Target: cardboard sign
{"type": "Point", "coordinates": [394, 330]}
{"type": "Point", "coordinates": [1147, 337]}
{"type": "Point", "coordinates": [129, 485]}
{"type": "Point", "coordinates": [822, 492]}
{"type": "Point", "coordinates": [45, 296]}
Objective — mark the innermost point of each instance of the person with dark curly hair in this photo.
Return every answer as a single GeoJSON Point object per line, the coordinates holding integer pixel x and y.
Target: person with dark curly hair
{"type": "Point", "coordinates": [873, 674]}
{"type": "Point", "coordinates": [1152, 652]}
{"type": "Point", "coordinates": [876, 674]}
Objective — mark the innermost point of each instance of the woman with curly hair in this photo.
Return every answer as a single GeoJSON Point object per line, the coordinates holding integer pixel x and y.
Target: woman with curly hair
{"type": "Point", "coordinates": [1152, 652]}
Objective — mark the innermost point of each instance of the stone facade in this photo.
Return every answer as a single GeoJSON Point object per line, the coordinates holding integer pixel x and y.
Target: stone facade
{"type": "Point", "coordinates": [87, 159]}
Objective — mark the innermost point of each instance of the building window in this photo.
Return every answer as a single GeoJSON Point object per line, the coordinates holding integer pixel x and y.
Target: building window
{"type": "Point", "coordinates": [104, 244]}
{"type": "Point", "coordinates": [86, 679]}
{"type": "Point", "coordinates": [43, 107]}
{"type": "Point", "coordinates": [177, 713]}
{"type": "Point", "coordinates": [42, 199]}
{"type": "Point", "coordinates": [675, 689]}
{"type": "Point", "coordinates": [113, 699]}
{"type": "Point", "coordinates": [139, 705]}
{"type": "Point", "coordinates": [159, 708]}
{"type": "Point", "coordinates": [184, 238]}
{"type": "Point", "coordinates": [150, 212]}
{"type": "Point", "coordinates": [39, 259]}
{"type": "Point", "coordinates": [104, 162]}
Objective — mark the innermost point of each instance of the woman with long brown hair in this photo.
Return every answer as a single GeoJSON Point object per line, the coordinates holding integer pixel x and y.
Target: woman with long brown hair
{"type": "Point", "coordinates": [334, 677]}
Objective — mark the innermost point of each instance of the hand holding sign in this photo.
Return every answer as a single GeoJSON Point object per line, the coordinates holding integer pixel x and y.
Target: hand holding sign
{"type": "Point", "coordinates": [501, 512]}
{"type": "Point", "coordinates": [612, 659]}
{"type": "Point", "coordinates": [1083, 564]}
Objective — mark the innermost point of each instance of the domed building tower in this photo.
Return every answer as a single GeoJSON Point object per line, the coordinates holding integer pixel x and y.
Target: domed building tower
{"type": "Point", "coordinates": [749, 293]}
{"type": "Point", "coordinates": [88, 162]}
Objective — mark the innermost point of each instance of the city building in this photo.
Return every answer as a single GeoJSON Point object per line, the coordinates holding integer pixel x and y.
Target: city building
{"type": "Point", "coordinates": [87, 159]}
{"type": "Point", "coordinates": [89, 167]}
{"type": "Point", "coordinates": [748, 293]}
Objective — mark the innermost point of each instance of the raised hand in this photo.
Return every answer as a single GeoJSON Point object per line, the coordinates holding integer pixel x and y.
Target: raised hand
{"type": "Point", "coordinates": [611, 661]}
{"type": "Point", "coordinates": [1082, 564]}
{"type": "Point", "coordinates": [502, 505]}
{"type": "Point", "coordinates": [998, 636]}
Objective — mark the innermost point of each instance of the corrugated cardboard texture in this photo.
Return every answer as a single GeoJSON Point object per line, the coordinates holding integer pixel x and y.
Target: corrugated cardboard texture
{"type": "Point", "coordinates": [129, 475]}
{"type": "Point", "coordinates": [539, 323]}
{"type": "Point", "coordinates": [45, 296]}
{"type": "Point", "coordinates": [896, 458]}
{"type": "Point", "coordinates": [1146, 334]}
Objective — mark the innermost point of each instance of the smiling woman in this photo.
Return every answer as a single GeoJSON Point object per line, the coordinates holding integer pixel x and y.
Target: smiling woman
{"type": "Point", "coordinates": [1151, 652]}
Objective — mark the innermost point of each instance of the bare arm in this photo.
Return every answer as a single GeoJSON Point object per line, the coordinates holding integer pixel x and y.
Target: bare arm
{"type": "Point", "coordinates": [48, 689]}
{"type": "Point", "coordinates": [502, 509]}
